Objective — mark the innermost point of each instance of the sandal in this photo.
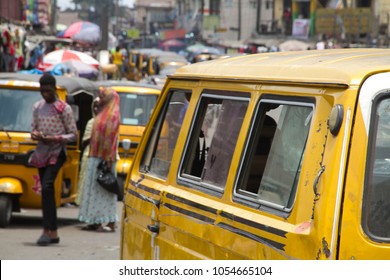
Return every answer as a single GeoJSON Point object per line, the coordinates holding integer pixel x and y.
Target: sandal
{"type": "Point", "coordinates": [105, 229]}
{"type": "Point", "coordinates": [93, 227]}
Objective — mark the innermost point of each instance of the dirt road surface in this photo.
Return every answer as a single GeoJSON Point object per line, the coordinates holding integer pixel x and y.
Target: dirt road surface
{"type": "Point", "coordinates": [18, 241]}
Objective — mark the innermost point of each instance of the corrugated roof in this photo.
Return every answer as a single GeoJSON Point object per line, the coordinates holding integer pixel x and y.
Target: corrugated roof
{"type": "Point", "coordinates": [335, 66]}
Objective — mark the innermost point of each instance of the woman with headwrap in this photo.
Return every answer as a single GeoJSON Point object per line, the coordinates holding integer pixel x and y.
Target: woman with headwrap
{"type": "Point", "coordinates": [85, 147]}
{"type": "Point", "coordinates": [98, 206]}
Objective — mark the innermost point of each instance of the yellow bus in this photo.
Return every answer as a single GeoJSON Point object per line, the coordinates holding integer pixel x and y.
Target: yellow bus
{"type": "Point", "coordinates": [269, 156]}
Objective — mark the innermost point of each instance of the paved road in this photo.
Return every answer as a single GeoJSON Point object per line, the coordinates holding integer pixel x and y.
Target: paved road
{"type": "Point", "coordinates": [18, 241]}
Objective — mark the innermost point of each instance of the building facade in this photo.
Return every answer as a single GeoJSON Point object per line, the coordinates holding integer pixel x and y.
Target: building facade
{"type": "Point", "coordinates": [221, 20]}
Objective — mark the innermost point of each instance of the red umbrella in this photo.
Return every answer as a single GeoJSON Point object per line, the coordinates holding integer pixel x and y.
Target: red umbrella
{"type": "Point", "coordinates": [83, 31]}
{"type": "Point", "coordinates": [76, 67]}
{"type": "Point", "coordinates": [59, 56]}
{"type": "Point", "coordinates": [174, 43]}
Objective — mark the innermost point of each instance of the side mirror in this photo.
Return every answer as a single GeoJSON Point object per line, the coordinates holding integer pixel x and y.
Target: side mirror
{"type": "Point", "coordinates": [126, 144]}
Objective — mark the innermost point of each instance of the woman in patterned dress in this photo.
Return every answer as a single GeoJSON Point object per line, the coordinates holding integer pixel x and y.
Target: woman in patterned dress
{"type": "Point", "coordinates": [98, 206]}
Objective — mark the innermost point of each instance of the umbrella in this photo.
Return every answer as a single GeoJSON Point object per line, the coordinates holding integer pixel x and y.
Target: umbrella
{"type": "Point", "coordinates": [207, 50]}
{"type": "Point", "coordinates": [58, 56]}
{"type": "Point", "coordinates": [76, 67]}
{"type": "Point", "coordinates": [83, 31]}
{"type": "Point", "coordinates": [172, 43]}
{"type": "Point", "coordinates": [293, 45]}
{"type": "Point", "coordinates": [195, 47]}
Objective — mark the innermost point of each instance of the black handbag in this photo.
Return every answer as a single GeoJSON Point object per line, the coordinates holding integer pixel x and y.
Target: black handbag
{"type": "Point", "coordinates": [108, 180]}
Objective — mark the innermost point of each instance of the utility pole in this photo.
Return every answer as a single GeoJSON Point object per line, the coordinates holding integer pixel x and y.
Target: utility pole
{"type": "Point", "coordinates": [239, 20]}
{"type": "Point", "coordinates": [53, 17]}
{"type": "Point", "coordinates": [115, 25]}
{"type": "Point", "coordinates": [105, 12]}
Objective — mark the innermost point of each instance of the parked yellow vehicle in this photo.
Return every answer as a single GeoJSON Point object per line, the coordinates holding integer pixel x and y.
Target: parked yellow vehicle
{"type": "Point", "coordinates": [266, 156]}
{"type": "Point", "coordinates": [135, 66]}
{"type": "Point", "coordinates": [150, 62]}
{"type": "Point", "coordinates": [137, 101]}
{"type": "Point", "coordinates": [19, 181]}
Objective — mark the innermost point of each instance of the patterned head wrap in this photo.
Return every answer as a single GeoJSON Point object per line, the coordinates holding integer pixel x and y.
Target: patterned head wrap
{"type": "Point", "coordinates": [105, 131]}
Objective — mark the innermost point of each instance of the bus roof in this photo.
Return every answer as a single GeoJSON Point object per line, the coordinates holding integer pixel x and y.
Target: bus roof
{"type": "Point", "coordinates": [116, 83]}
{"type": "Point", "coordinates": [332, 67]}
{"type": "Point", "coordinates": [73, 85]}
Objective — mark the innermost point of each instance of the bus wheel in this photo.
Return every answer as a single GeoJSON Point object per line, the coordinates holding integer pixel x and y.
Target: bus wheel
{"type": "Point", "coordinates": [5, 210]}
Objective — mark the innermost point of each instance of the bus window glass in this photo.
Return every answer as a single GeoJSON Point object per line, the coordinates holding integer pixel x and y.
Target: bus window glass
{"type": "Point", "coordinates": [158, 156]}
{"type": "Point", "coordinates": [273, 160]}
{"type": "Point", "coordinates": [377, 187]}
{"type": "Point", "coordinates": [213, 140]}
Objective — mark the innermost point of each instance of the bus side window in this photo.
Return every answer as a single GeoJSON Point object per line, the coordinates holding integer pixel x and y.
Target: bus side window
{"type": "Point", "coordinates": [213, 140]}
{"type": "Point", "coordinates": [272, 163]}
{"type": "Point", "coordinates": [158, 154]}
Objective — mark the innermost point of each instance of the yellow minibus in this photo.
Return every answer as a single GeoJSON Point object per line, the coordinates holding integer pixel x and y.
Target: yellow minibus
{"type": "Point", "coordinates": [266, 156]}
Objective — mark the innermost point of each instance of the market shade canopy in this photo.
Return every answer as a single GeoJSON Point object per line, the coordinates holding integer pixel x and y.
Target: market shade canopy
{"type": "Point", "coordinates": [76, 67]}
{"type": "Point", "coordinates": [293, 45]}
{"type": "Point", "coordinates": [195, 47]}
{"type": "Point", "coordinates": [83, 31]}
{"type": "Point", "coordinates": [173, 43]}
{"type": "Point", "coordinates": [58, 56]}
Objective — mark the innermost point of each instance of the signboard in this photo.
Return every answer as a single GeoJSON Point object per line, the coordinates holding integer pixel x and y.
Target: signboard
{"type": "Point", "coordinates": [133, 33]}
{"type": "Point", "coordinates": [211, 22]}
{"type": "Point", "coordinates": [301, 28]}
{"type": "Point", "coordinates": [172, 34]}
{"type": "Point", "coordinates": [347, 20]}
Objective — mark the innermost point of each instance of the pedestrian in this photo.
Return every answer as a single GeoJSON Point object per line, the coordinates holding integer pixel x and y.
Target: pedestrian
{"type": "Point", "coordinates": [85, 146]}
{"type": "Point", "coordinates": [98, 206]}
{"type": "Point", "coordinates": [117, 59]}
{"type": "Point", "coordinates": [53, 126]}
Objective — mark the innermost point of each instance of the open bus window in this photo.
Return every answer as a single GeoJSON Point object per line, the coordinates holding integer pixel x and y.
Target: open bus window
{"type": "Point", "coordinates": [272, 164]}
{"type": "Point", "coordinates": [212, 141]}
{"type": "Point", "coordinates": [158, 154]}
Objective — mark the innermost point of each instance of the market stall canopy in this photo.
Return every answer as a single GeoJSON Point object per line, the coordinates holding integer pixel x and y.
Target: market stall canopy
{"type": "Point", "coordinates": [173, 44]}
{"type": "Point", "coordinates": [75, 68]}
{"type": "Point", "coordinates": [82, 31]}
{"type": "Point", "coordinates": [195, 47]}
{"type": "Point", "coordinates": [58, 56]}
{"type": "Point", "coordinates": [293, 45]}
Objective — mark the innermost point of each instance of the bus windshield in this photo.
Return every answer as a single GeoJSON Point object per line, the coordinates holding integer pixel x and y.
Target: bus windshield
{"type": "Point", "coordinates": [16, 108]}
{"type": "Point", "coordinates": [136, 109]}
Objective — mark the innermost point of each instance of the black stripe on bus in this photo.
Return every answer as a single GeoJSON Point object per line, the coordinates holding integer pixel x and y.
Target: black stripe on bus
{"type": "Point", "coordinates": [144, 198]}
{"type": "Point", "coordinates": [226, 215]}
{"type": "Point", "coordinates": [192, 203]}
{"type": "Point", "coordinates": [145, 188]}
{"type": "Point", "coordinates": [253, 224]}
{"type": "Point", "coordinates": [252, 236]}
{"type": "Point", "coordinates": [189, 213]}
{"type": "Point", "coordinates": [225, 226]}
